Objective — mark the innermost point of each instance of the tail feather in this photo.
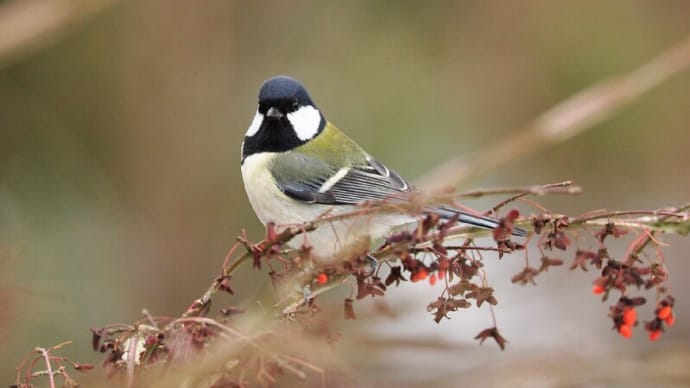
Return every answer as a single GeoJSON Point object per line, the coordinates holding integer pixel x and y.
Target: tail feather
{"type": "Point", "coordinates": [474, 220]}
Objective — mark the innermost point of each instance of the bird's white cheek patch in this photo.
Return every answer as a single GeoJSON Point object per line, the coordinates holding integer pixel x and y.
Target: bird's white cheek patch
{"type": "Point", "coordinates": [255, 125]}
{"type": "Point", "coordinates": [305, 121]}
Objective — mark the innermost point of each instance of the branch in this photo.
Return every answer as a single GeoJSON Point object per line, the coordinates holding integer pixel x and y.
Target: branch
{"type": "Point", "coordinates": [661, 220]}
{"type": "Point", "coordinates": [49, 369]}
{"type": "Point", "coordinates": [201, 305]}
{"type": "Point", "coordinates": [580, 112]}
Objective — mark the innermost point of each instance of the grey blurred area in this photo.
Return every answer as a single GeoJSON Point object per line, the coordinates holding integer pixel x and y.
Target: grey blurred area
{"type": "Point", "coordinates": [120, 130]}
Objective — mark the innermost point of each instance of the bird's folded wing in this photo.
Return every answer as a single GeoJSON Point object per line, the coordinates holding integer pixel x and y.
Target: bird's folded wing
{"type": "Point", "coordinates": [321, 183]}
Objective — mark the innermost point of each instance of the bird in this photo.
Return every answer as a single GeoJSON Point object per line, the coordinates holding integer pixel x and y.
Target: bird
{"type": "Point", "coordinates": [297, 166]}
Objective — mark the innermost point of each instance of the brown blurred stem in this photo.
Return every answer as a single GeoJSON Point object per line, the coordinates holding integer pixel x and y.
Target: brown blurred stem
{"type": "Point", "coordinates": [578, 113]}
{"type": "Point", "coordinates": [27, 26]}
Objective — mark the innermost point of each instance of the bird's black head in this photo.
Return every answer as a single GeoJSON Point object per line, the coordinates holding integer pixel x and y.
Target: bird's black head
{"type": "Point", "coordinates": [283, 93]}
{"type": "Point", "coordinates": [286, 118]}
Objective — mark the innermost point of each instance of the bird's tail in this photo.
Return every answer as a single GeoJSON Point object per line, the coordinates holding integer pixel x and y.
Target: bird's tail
{"type": "Point", "coordinates": [474, 220]}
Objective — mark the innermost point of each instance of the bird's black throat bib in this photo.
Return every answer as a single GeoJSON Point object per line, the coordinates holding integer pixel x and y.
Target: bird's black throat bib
{"type": "Point", "coordinates": [272, 136]}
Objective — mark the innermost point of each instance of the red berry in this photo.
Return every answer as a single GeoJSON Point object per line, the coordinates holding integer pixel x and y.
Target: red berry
{"type": "Point", "coordinates": [432, 280]}
{"type": "Point", "coordinates": [597, 289]}
{"type": "Point", "coordinates": [421, 274]}
{"type": "Point", "coordinates": [670, 320]}
{"type": "Point", "coordinates": [625, 331]}
{"type": "Point", "coordinates": [321, 278]}
{"type": "Point", "coordinates": [664, 312]}
{"type": "Point", "coordinates": [654, 335]}
{"type": "Point", "coordinates": [629, 316]}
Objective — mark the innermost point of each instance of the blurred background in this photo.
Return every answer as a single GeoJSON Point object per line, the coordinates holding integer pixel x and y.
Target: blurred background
{"type": "Point", "coordinates": [120, 130]}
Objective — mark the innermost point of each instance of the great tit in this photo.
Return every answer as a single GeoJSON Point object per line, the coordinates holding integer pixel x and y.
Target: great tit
{"type": "Point", "coordinates": [297, 166]}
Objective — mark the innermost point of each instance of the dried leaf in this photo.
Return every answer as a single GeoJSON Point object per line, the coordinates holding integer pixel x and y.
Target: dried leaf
{"type": "Point", "coordinates": [395, 276]}
{"type": "Point", "coordinates": [492, 332]}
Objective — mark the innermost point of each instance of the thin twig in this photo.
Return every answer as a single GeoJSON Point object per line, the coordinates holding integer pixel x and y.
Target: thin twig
{"type": "Point", "coordinates": [539, 190]}
{"type": "Point", "coordinates": [621, 213]}
{"type": "Point", "coordinates": [565, 187]}
{"type": "Point", "coordinates": [49, 368]}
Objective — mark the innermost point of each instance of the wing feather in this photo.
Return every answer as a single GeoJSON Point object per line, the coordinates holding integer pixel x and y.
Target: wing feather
{"type": "Point", "coordinates": [347, 186]}
{"type": "Point", "coordinates": [351, 185]}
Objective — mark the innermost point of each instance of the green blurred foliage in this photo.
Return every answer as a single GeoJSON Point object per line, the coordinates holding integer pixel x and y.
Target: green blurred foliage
{"type": "Point", "coordinates": [119, 143]}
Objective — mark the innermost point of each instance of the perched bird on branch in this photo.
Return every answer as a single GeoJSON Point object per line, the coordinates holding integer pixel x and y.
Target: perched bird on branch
{"type": "Point", "coordinates": [297, 166]}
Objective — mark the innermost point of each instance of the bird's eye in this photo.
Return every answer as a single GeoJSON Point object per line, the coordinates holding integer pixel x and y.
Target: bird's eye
{"type": "Point", "coordinates": [295, 104]}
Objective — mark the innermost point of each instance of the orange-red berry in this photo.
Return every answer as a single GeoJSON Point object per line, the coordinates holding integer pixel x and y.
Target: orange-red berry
{"type": "Point", "coordinates": [597, 289]}
{"type": "Point", "coordinates": [321, 278]}
{"type": "Point", "coordinates": [432, 280]}
{"type": "Point", "coordinates": [421, 274]}
{"type": "Point", "coordinates": [625, 331]}
{"type": "Point", "coordinates": [629, 316]}
{"type": "Point", "coordinates": [670, 320]}
{"type": "Point", "coordinates": [664, 312]}
{"type": "Point", "coordinates": [654, 335]}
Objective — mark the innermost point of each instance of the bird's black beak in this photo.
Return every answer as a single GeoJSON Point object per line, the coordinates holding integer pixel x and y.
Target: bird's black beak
{"type": "Point", "coordinates": [274, 113]}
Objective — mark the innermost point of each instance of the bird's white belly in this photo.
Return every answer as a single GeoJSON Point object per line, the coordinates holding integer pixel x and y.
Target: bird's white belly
{"type": "Point", "coordinates": [272, 205]}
